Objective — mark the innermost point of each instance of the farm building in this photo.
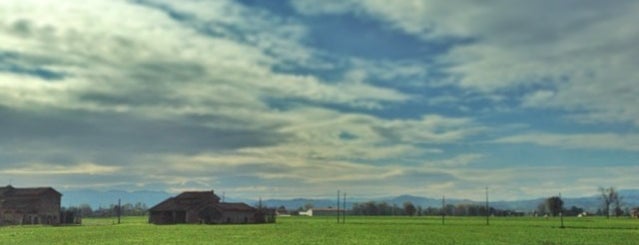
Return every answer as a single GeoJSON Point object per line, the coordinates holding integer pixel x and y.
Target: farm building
{"type": "Point", "coordinates": [204, 207]}
{"type": "Point", "coordinates": [21, 206]}
{"type": "Point", "coordinates": [322, 212]}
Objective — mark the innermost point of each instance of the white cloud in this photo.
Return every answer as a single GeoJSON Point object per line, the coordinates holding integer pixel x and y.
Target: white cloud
{"type": "Point", "coordinates": [462, 160]}
{"type": "Point", "coordinates": [113, 54]}
{"type": "Point", "coordinates": [48, 169]}
{"type": "Point", "coordinates": [538, 98]}
{"type": "Point", "coordinates": [431, 129]}
{"type": "Point", "coordinates": [584, 51]}
{"type": "Point", "coordinates": [169, 88]}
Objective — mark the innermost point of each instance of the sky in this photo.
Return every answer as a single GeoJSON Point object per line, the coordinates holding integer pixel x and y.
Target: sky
{"type": "Point", "coordinates": [300, 98]}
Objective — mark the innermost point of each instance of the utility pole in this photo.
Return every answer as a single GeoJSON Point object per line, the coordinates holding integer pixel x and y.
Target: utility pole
{"type": "Point", "coordinates": [344, 209]}
{"type": "Point", "coordinates": [443, 210]}
{"type": "Point", "coordinates": [119, 210]}
{"type": "Point", "coordinates": [561, 212]}
{"type": "Point", "coordinates": [487, 208]}
{"type": "Point", "coordinates": [338, 206]}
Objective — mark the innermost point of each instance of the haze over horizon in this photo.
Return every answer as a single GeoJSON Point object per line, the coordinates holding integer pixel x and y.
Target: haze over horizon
{"type": "Point", "coordinates": [300, 98]}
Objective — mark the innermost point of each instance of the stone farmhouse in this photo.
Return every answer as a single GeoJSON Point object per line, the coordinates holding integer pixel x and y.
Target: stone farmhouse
{"type": "Point", "coordinates": [22, 206]}
{"type": "Point", "coordinates": [204, 207]}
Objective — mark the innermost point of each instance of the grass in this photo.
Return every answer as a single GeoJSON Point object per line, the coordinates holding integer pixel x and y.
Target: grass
{"type": "Point", "coordinates": [324, 230]}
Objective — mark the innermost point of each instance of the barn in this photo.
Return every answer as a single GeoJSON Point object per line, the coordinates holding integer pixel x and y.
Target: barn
{"type": "Point", "coordinates": [22, 206]}
{"type": "Point", "coordinates": [204, 207]}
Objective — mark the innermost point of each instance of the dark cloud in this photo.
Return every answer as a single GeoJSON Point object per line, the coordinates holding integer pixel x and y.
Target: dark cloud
{"type": "Point", "coordinates": [66, 135]}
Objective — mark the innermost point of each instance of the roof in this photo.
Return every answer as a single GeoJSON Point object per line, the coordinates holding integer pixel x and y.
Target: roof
{"type": "Point", "coordinates": [197, 195]}
{"type": "Point", "coordinates": [235, 206]}
{"type": "Point", "coordinates": [10, 191]}
{"type": "Point", "coordinates": [186, 201]}
{"type": "Point", "coordinates": [198, 200]}
{"type": "Point", "coordinates": [166, 205]}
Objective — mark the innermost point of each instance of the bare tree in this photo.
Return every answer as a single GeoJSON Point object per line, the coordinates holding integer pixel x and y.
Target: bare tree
{"type": "Point", "coordinates": [617, 203]}
{"type": "Point", "coordinates": [610, 196]}
{"type": "Point", "coordinates": [554, 205]}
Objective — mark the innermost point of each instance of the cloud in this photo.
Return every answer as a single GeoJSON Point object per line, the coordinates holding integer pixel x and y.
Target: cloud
{"type": "Point", "coordinates": [532, 182]}
{"type": "Point", "coordinates": [181, 60]}
{"type": "Point", "coordinates": [201, 91]}
{"type": "Point", "coordinates": [165, 95]}
{"type": "Point", "coordinates": [47, 169]}
{"type": "Point", "coordinates": [294, 176]}
{"type": "Point", "coordinates": [515, 46]}
{"type": "Point", "coordinates": [538, 98]}
{"type": "Point", "coordinates": [462, 160]}
{"type": "Point", "coordinates": [601, 141]}
{"type": "Point", "coordinates": [219, 94]}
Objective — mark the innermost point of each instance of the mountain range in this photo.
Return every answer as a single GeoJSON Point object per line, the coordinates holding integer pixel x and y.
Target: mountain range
{"type": "Point", "coordinates": [97, 199]}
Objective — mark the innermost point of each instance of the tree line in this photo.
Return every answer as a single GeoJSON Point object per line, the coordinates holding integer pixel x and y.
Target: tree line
{"type": "Point", "coordinates": [372, 208]}
{"type": "Point", "coordinates": [611, 205]}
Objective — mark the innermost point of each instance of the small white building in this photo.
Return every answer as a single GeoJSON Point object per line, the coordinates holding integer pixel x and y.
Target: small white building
{"type": "Point", "coordinates": [322, 212]}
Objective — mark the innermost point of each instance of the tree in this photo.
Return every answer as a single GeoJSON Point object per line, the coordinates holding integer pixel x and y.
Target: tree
{"type": "Point", "coordinates": [282, 210]}
{"type": "Point", "coordinates": [616, 203]}
{"type": "Point", "coordinates": [449, 209]}
{"type": "Point", "coordinates": [409, 208]}
{"type": "Point", "coordinates": [610, 196]}
{"type": "Point", "coordinates": [308, 205]}
{"type": "Point", "coordinates": [554, 205]}
{"type": "Point", "coordinates": [574, 211]}
{"type": "Point", "coordinates": [85, 210]}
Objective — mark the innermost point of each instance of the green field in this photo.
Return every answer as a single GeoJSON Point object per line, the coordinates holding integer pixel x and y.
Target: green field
{"type": "Point", "coordinates": [324, 230]}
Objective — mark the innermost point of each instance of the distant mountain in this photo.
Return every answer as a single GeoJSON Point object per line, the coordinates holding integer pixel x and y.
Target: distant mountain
{"type": "Point", "coordinates": [630, 196]}
{"type": "Point", "coordinates": [105, 198]}
{"type": "Point", "coordinates": [98, 199]}
{"type": "Point", "coordinates": [300, 202]}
